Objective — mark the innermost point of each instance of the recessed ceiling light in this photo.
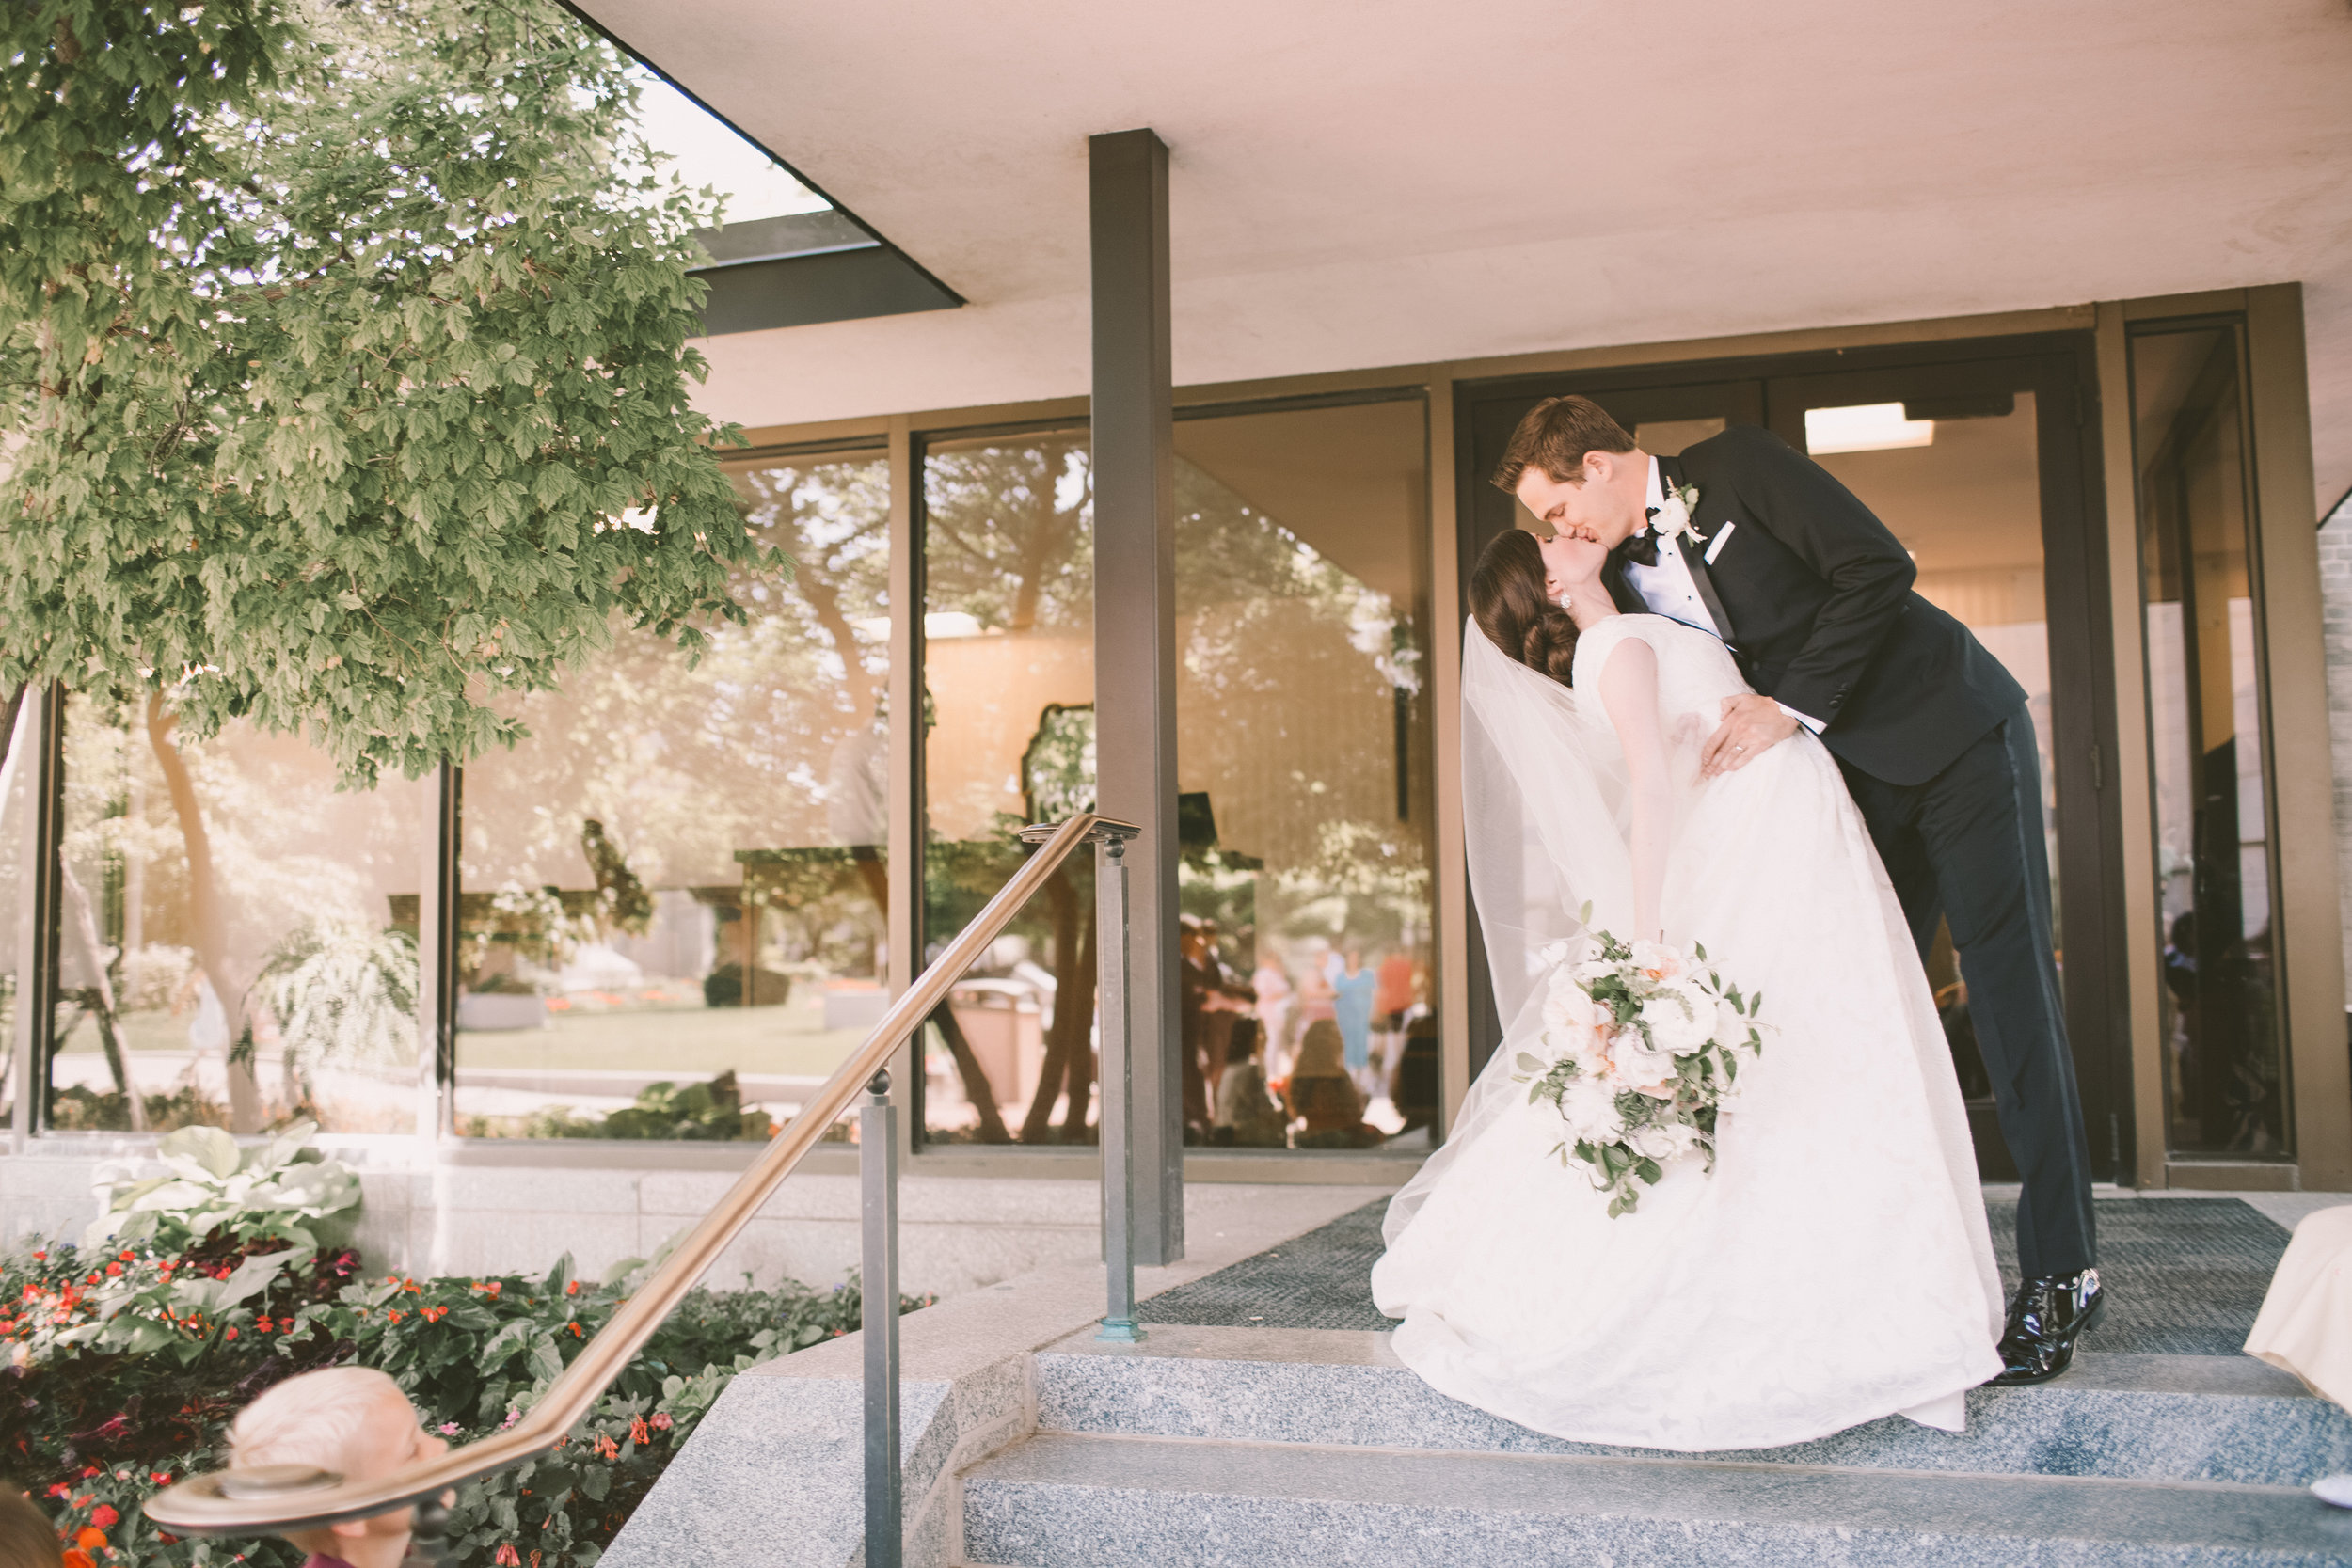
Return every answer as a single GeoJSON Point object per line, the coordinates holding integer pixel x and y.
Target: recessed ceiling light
{"type": "Point", "coordinates": [1864, 427]}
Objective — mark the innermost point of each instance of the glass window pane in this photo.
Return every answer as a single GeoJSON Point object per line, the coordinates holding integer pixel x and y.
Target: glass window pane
{"type": "Point", "coordinates": [16, 774]}
{"type": "Point", "coordinates": [236, 941]}
{"type": "Point", "coordinates": [1303, 755]}
{"type": "Point", "coordinates": [671, 919]}
{"type": "Point", "coordinates": [1009, 739]}
{"type": "Point", "coordinates": [1303, 767]}
{"type": "Point", "coordinates": [1961, 490]}
{"type": "Point", "coordinates": [2225, 1069]}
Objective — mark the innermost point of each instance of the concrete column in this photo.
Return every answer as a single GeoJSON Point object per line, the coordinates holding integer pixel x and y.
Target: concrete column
{"type": "Point", "coordinates": [1134, 638]}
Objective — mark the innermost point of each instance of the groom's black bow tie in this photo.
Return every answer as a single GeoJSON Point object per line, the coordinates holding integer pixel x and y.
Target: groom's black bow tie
{"type": "Point", "coordinates": [1641, 550]}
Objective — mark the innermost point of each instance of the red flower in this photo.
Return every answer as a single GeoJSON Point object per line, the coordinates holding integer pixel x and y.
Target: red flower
{"type": "Point", "coordinates": [661, 1421]}
{"type": "Point", "coordinates": [576, 1333]}
{"type": "Point", "coordinates": [262, 1324]}
{"type": "Point", "coordinates": [507, 1557]}
{"type": "Point", "coordinates": [229, 1333]}
{"type": "Point", "coordinates": [113, 1267]}
{"type": "Point", "coordinates": [393, 1316]}
{"type": "Point", "coordinates": [573, 1289]}
{"type": "Point", "coordinates": [126, 1257]}
{"type": "Point", "coordinates": [104, 1516]}
{"type": "Point", "coordinates": [637, 1432]}
{"type": "Point", "coordinates": [90, 1538]}
{"type": "Point", "coordinates": [161, 1477]}
{"type": "Point", "coordinates": [76, 1559]}
{"type": "Point", "coordinates": [607, 1449]}
{"type": "Point", "coordinates": [167, 1538]}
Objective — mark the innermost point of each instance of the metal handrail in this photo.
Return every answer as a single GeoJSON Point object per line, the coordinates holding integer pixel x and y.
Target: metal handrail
{"type": "Point", "coordinates": [274, 1499]}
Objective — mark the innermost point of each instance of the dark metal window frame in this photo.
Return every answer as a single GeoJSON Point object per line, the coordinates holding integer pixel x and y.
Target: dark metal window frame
{"type": "Point", "coordinates": [2235, 323]}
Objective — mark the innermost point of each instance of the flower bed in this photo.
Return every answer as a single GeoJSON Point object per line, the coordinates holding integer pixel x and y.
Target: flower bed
{"type": "Point", "coordinates": [125, 1360]}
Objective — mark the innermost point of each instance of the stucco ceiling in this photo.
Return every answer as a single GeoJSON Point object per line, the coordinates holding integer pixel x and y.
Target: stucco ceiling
{"type": "Point", "coordinates": [1362, 182]}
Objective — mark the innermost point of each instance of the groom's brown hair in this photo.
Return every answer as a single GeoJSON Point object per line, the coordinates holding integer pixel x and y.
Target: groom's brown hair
{"type": "Point", "coordinates": [1554, 437]}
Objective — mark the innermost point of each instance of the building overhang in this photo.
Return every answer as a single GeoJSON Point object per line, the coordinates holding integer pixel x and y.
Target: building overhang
{"type": "Point", "coordinates": [1356, 186]}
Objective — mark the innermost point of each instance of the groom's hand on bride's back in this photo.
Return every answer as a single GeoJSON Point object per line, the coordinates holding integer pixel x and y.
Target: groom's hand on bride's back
{"type": "Point", "coordinates": [1752, 726]}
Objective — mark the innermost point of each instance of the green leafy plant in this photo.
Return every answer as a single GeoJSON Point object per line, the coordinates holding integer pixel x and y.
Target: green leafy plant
{"type": "Point", "coordinates": [344, 366]}
{"type": "Point", "coordinates": [98, 1422]}
{"type": "Point", "coordinates": [710, 1109]}
{"type": "Point", "coordinates": [279, 1190]}
{"type": "Point", "coordinates": [343, 993]}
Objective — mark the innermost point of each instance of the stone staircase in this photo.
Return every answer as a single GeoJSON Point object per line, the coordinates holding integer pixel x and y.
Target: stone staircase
{"type": "Point", "coordinates": [1242, 1446]}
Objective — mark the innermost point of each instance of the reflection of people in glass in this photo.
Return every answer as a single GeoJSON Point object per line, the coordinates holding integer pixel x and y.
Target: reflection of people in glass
{"type": "Point", "coordinates": [1207, 1000]}
{"type": "Point", "coordinates": [1324, 1096]}
{"type": "Point", "coordinates": [1275, 1000]}
{"type": "Point", "coordinates": [1392, 1001]}
{"type": "Point", "coordinates": [2180, 981]}
{"type": "Point", "coordinates": [1352, 989]}
{"type": "Point", "coordinates": [1246, 1117]}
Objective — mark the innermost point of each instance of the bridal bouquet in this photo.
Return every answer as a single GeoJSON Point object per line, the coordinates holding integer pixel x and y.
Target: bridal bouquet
{"type": "Point", "coordinates": [1646, 1048]}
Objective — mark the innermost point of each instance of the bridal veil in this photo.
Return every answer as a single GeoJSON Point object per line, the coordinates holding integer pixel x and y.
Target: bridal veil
{"type": "Point", "coordinates": [1544, 821]}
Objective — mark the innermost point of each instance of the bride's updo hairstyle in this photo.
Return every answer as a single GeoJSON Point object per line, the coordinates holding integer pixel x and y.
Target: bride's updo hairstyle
{"type": "Point", "coordinates": [1508, 602]}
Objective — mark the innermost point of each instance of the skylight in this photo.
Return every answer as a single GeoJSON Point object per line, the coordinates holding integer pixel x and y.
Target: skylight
{"type": "Point", "coordinates": [702, 150]}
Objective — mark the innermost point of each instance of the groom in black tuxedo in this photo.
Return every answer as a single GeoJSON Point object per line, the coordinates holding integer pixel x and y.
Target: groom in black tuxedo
{"type": "Point", "coordinates": [1813, 595]}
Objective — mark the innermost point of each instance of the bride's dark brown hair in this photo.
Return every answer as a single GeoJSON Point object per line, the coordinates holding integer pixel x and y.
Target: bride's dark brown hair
{"type": "Point", "coordinates": [1508, 602]}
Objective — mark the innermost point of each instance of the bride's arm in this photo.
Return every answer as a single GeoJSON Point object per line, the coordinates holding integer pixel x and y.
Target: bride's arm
{"type": "Point", "coordinates": [1628, 689]}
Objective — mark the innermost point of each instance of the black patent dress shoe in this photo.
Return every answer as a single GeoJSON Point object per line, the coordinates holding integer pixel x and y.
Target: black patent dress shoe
{"type": "Point", "coordinates": [2045, 1318]}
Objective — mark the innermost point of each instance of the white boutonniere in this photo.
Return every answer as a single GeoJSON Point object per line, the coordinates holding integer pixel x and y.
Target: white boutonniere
{"type": "Point", "coordinates": [1673, 513]}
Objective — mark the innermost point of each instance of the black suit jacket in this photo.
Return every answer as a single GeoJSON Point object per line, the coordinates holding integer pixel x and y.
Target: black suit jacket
{"type": "Point", "coordinates": [1820, 611]}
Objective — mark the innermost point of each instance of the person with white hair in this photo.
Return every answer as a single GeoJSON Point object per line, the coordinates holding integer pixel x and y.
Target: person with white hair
{"type": "Point", "coordinates": [354, 1421]}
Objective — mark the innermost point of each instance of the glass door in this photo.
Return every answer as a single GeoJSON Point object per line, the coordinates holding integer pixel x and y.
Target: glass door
{"type": "Point", "coordinates": [1975, 455]}
{"type": "Point", "coordinates": [1977, 467]}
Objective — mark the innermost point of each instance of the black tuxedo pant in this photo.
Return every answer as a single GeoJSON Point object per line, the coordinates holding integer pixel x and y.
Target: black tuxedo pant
{"type": "Point", "coordinates": [1966, 847]}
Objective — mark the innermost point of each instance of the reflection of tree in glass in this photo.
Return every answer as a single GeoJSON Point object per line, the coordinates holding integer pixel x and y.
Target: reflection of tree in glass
{"type": "Point", "coordinates": [1009, 533]}
{"type": "Point", "coordinates": [342, 995]}
{"type": "Point", "coordinates": [1287, 691]}
{"type": "Point", "coordinates": [681, 764]}
{"type": "Point", "coordinates": [196, 860]}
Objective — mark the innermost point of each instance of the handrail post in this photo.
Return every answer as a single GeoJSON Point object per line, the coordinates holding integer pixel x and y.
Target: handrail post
{"type": "Point", "coordinates": [1118, 1077]}
{"type": "Point", "coordinates": [878, 1176]}
{"type": "Point", "coordinates": [428, 1536]}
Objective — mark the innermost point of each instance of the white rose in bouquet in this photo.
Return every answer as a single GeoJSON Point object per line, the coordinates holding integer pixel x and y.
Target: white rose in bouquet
{"type": "Point", "coordinates": [1665, 1142]}
{"type": "Point", "coordinates": [1681, 1019]}
{"type": "Point", "coordinates": [1578, 1025]}
{"type": "Point", "coordinates": [1589, 1107]}
{"type": "Point", "coordinates": [1657, 960]}
{"type": "Point", "coordinates": [1566, 1005]}
{"type": "Point", "coordinates": [1643, 1068]}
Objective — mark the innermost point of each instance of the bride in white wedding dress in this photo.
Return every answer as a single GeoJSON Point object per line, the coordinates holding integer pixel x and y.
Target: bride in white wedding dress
{"type": "Point", "coordinates": [1835, 1267]}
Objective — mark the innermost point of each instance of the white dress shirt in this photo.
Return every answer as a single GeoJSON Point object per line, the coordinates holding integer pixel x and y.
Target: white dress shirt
{"type": "Point", "coordinates": [1670, 589]}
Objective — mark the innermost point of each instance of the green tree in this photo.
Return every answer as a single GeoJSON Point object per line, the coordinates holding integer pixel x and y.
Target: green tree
{"type": "Point", "coordinates": [344, 366]}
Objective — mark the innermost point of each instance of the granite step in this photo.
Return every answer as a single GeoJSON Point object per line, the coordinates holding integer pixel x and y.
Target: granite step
{"type": "Point", "coordinates": [1059, 1500]}
{"type": "Point", "coordinates": [2143, 1418]}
